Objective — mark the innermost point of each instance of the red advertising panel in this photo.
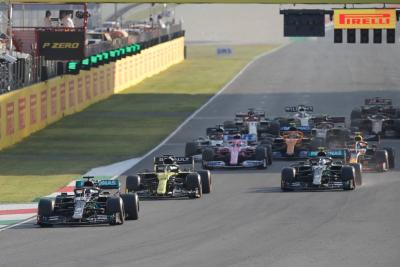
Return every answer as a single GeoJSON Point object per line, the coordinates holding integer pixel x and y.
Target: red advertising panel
{"type": "Point", "coordinates": [53, 103]}
{"type": "Point", "coordinates": [101, 85]}
{"type": "Point", "coordinates": [10, 118]}
{"type": "Point", "coordinates": [62, 97]}
{"type": "Point", "coordinates": [94, 84]}
{"type": "Point", "coordinates": [80, 90]}
{"type": "Point", "coordinates": [32, 105]}
{"type": "Point", "coordinates": [21, 112]}
{"type": "Point", "coordinates": [43, 105]}
{"type": "Point", "coordinates": [71, 94]}
{"type": "Point", "coordinates": [109, 79]}
{"type": "Point", "coordinates": [87, 87]}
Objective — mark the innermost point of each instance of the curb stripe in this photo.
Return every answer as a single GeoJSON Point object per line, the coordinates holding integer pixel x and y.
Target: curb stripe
{"type": "Point", "coordinates": [19, 211]}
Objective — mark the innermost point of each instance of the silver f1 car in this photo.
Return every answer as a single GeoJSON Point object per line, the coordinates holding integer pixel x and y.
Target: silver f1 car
{"type": "Point", "coordinates": [93, 202]}
{"type": "Point", "coordinates": [321, 172]}
{"type": "Point", "coordinates": [377, 116]}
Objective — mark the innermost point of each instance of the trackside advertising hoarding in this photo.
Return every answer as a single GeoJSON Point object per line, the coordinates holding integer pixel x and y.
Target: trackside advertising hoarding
{"type": "Point", "coordinates": [364, 18]}
{"type": "Point", "coordinates": [61, 45]}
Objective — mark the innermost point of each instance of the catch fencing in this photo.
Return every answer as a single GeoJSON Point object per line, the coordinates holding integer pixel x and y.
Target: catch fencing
{"type": "Point", "coordinates": [32, 69]}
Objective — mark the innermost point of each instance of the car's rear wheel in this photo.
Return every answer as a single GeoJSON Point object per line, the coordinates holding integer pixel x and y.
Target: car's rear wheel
{"type": "Point", "coordinates": [190, 149]}
{"type": "Point", "coordinates": [133, 183]}
{"type": "Point", "coordinates": [274, 128]}
{"type": "Point", "coordinates": [208, 154]}
{"type": "Point", "coordinates": [261, 155]}
{"type": "Point", "coordinates": [229, 124]}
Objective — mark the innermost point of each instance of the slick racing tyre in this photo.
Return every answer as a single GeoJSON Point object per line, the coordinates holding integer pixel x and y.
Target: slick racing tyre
{"type": "Point", "coordinates": [358, 170]}
{"type": "Point", "coordinates": [190, 149]}
{"type": "Point", "coordinates": [268, 148]}
{"type": "Point", "coordinates": [133, 183]}
{"type": "Point", "coordinates": [193, 184]}
{"type": "Point", "coordinates": [274, 128]}
{"type": "Point", "coordinates": [229, 124]}
{"type": "Point", "coordinates": [261, 155]}
{"type": "Point", "coordinates": [287, 176]}
{"type": "Point", "coordinates": [208, 154]}
{"type": "Point", "coordinates": [382, 160]}
{"type": "Point", "coordinates": [348, 177]}
{"type": "Point", "coordinates": [355, 114]}
{"type": "Point", "coordinates": [205, 177]}
{"type": "Point", "coordinates": [45, 209]}
{"type": "Point", "coordinates": [115, 207]}
{"type": "Point", "coordinates": [391, 157]}
{"type": "Point", "coordinates": [131, 206]}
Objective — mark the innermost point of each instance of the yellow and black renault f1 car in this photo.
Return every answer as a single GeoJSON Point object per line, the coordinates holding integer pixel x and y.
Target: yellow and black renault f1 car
{"type": "Point", "coordinates": [168, 179]}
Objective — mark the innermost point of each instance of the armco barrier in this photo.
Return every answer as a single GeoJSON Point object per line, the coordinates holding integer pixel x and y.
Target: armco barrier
{"type": "Point", "coordinates": [32, 108]}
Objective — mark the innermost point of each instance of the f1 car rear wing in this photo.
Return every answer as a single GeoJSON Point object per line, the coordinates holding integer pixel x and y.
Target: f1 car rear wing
{"type": "Point", "coordinates": [231, 130]}
{"type": "Point", "coordinates": [243, 137]}
{"type": "Point", "coordinates": [214, 130]}
{"type": "Point", "coordinates": [378, 101]}
{"type": "Point", "coordinates": [177, 160]}
{"type": "Point", "coordinates": [102, 184]}
{"type": "Point", "coordinates": [296, 108]}
{"type": "Point", "coordinates": [329, 119]}
{"type": "Point", "coordinates": [165, 159]}
{"type": "Point", "coordinates": [335, 153]}
{"type": "Point", "coordinates": [257, 113]}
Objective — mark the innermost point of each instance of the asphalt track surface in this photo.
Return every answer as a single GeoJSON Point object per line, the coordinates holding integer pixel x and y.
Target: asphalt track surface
{"type": "Point", "coordinates": [246, 220]}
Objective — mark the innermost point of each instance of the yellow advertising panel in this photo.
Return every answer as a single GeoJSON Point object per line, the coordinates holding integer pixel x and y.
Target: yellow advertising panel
{"type": "Point", "coordinates": [25, 111]}
{"type": "Point", "coordinates": [364, 18]}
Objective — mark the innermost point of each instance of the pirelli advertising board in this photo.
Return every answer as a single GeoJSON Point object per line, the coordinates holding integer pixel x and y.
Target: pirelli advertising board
{"type": "Point", "coordinates": [364, 18]}
{"type": "Point", "coordinates": [61, 45]}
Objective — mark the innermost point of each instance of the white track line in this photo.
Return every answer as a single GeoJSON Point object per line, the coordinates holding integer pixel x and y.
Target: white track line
{"type": "Point", "coordinates": [18, 224]}
{"type": "Point", "coordinates": [186, 121]}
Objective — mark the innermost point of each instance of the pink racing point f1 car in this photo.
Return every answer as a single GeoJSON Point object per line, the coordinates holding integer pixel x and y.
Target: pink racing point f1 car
{"type": "Point", "coordinates": [237, 153]}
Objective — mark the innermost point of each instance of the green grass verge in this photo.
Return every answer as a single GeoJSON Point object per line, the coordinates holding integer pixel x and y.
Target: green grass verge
{"type": "Point", "coordinates": [124, 126]}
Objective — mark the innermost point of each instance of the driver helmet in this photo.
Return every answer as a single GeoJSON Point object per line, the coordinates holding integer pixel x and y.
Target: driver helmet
{"type": "Point", "coordinates": [358, 138]}
{"type": "Point", "coordinates": [237, 137]}
{"type": "Point", "coordinates": [219, 134]}
{"type": "Point", "coordinates": [88, 183]}
{"type": "Point", "coordinates": [168, 160]}
{"type": "Point", "coordinates": [88, 192]}
{"type": "Point", "coordinates": [321, 154]}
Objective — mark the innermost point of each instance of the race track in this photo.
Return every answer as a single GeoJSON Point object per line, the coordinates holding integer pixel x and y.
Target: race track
{"type": "Point", "coordinates": [246, 220]}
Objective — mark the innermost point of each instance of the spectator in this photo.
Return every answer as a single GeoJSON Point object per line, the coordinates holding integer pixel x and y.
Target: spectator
{"type": "Point", "coordinates": [67, 21]}
{"type": "Point", "coordinates": [160, 22]}
{"type": "Point", "coordinates": [47, 19]}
